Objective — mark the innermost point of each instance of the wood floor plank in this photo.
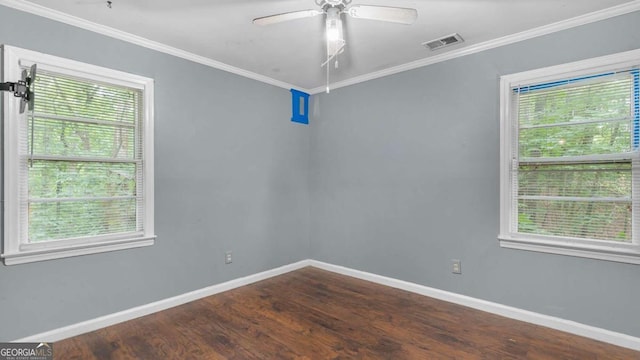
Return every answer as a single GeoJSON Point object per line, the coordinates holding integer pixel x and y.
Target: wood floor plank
{"type": "Point", "coordinates": [410, 326]}
{"type": "Point", "coordinates": [322, 327]}
{"type": "Point", "coordinates": [213, 337]}
{"type": "Point", "coordinates": [77, 349]}
{"type": "Point", "coordinates": [315, 314]}
{"type": "Point", "coordinates": [296, 319]}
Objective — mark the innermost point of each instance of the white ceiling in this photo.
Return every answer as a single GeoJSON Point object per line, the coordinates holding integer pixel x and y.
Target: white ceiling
{"type": "Point", "coordinates": [222, 30]}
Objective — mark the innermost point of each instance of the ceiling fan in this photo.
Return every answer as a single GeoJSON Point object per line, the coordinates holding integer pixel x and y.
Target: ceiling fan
{"type": "Point", "coordinates": [333, 10]}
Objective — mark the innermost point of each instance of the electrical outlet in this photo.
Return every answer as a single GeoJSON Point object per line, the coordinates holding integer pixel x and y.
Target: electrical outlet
{"type": "Point", "coordinates": [457, 266]}
{"type": "Point", "coordinates": [228, 257]}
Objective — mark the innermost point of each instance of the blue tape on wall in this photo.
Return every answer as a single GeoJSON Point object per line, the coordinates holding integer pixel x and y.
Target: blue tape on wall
{"type": "Point", "coordinates": [300, 107]}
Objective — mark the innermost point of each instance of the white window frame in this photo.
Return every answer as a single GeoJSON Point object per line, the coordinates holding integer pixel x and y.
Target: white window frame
{"type": "Point", "coordinates": [595, 249]}
{"type": "Point", "coordinates": [14, 250]}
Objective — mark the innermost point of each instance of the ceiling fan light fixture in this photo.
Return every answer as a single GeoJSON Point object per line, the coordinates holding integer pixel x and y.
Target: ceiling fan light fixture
{"type": "Point", "coordinates": [334, 32]}
{"type": "Point", "coordinates": [334, 25]}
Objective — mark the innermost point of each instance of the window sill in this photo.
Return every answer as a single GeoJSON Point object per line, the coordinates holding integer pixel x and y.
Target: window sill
{"type": "Point", "coordinates": [629, 254]}
{"type": "Point", "coordinates": [23, 257]}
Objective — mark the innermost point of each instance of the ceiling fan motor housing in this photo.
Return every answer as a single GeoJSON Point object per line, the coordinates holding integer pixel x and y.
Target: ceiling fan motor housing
{"type": "Point", "coordinates": [326, 4]}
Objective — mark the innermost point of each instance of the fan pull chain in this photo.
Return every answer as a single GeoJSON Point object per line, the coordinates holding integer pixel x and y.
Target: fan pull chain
{"type": "Point", "coordinates": [334, 56]}
{"type": "Point", "coordinates": [328, 80]}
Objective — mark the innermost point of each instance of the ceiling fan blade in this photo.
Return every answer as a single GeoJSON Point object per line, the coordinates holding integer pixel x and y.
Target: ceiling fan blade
{"type": "Point", "coordinates": [384, 13]}
{"type": "Point", "coordinates": [274, 19]}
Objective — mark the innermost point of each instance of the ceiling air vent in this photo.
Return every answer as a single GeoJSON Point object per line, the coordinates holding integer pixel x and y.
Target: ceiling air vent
{"type": "Point", "coordinates": [443, 42]}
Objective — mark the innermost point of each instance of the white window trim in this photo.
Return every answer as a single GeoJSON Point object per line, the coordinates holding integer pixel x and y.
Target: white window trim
{"type": "Point", "coordinates": [603, 250]}
{"type": "Point", "coordinates": [13, 251]}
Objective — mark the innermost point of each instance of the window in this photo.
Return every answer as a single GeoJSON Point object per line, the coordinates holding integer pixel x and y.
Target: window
{"type": "Point", "coordinates": [570, 165]}
{"type": "Point", "coordinates": [78, 169]}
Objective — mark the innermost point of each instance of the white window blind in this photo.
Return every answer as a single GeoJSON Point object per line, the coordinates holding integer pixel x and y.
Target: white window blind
{"type": "Point", "coordinates": [570, 159]}
{"type": "Point", "coordinates": [78, 169]}
{"type": "Point", "coordinates": [574, 174]}
{"type": "Point", "coordinates": [84, 159]}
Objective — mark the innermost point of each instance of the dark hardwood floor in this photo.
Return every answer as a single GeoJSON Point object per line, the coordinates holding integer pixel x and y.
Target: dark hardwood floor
{"type": "Point", "coordinates": [315, 314]}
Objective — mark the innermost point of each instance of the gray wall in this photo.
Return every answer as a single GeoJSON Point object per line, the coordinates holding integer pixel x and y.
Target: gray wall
{"type": "Point", "coordinates": [404, 178]}
{"type": "Point", "coordinates": [231, 174]}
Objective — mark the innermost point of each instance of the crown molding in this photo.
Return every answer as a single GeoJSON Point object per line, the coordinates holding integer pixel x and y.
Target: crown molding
{"type": "Point", "coordinates": [491, 44]}
{"type": "Point", "coordinates": [55, 15]}
{"type": "Point", "coordinates": [468, 50]}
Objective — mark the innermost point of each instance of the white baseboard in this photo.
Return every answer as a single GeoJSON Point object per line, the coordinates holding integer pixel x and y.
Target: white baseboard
{"type": "Point", "coordinates": [136, 312]}
{"type": "Point", "coordinates": [571, 327]}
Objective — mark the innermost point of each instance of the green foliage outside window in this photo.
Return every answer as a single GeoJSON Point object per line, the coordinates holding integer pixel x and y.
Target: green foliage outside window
{"type": "Point", "coordinates": [575, 196]}
{"type": "Point", "coordinates": [84, 166]}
